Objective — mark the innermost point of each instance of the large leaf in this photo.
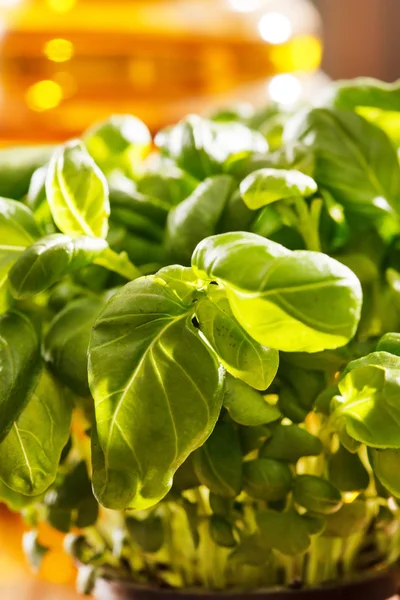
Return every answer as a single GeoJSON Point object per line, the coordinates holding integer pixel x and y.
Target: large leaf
{"type": "Point", "coordinates": [370, 411]}
{"type": "Point", "coordinates": [386, 465]}
{"type": "Point", "coordinates": [67, 341]}
{"type": "Point", "coordinates": [49, 259]}
{"type": "Point", "coordinates": [201, 147]}
{"type": "Point", "coordinates": [155, 384]}
{"type": "Point", "coordinates": [362, 91]}
{"type": "Point", "coordinates": [292, 301]}
{"type": "Point", "coordinates": [31, 452]}
{"type": "Point", "coordinates": [269, 185]}
{"type": "Point", "coordinates": [355, 160]}
{"type": "Point", "coordinates": [19, 366]}
{"type": "Point", "coordinates": [240, 354]}
{"type": "Point", "coordinates": [197, 217]}
{"type": "Point", "coordinates": [218, 463]}
{"type": "Point", "coordinates": [77, 192]}
{"type": "Point", "coordinates": [18, 229]}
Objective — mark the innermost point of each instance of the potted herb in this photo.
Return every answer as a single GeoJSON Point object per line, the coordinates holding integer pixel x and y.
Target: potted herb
{"type": "Point", "coordinates": [200, 350]}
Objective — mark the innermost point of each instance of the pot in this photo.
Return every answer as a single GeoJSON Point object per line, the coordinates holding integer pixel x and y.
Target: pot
{"type": "Point", "coordinates": [382, 586]}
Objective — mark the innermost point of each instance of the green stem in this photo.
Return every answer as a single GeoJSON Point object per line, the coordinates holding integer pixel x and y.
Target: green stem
{"type": "Point", "coordinates": [308, 222]}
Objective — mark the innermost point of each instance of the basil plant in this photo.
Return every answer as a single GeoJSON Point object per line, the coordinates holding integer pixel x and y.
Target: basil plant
{"type": "Point", "coordinates": [200, 344]}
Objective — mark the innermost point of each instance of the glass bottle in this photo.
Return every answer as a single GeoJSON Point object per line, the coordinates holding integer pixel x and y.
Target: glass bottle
{"type": "Point", "coordinates": [65, 64]}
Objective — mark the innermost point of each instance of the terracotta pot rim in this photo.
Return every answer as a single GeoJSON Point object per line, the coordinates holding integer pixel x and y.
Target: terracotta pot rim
{"type": "Point", "coordinates": [381, 585]}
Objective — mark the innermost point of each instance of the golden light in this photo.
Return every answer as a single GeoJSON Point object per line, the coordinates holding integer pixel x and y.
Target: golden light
{"type": "Point", "coordinates": [59, 50]}
{"type": "Point", "coordinates": [275, 28]}
{"type": "Point", "coordinates": [303, 53]}
{"type": "Point", "coordinates": [61, 5]}
{"type": "Point", "coordinates": [44, 95]}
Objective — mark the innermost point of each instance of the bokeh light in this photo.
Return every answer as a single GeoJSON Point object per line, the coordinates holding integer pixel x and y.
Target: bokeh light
{"type": "Point", "coordinates": [59, 50]}
{"type": "Point", "coordinates": [44, 95]}
{"type": "Point", "coordinates": [275, 28]}
{"type": "Point", "coordinates": [285, 89]}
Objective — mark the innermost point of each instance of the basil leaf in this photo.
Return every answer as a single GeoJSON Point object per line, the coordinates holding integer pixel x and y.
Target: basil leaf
{"type": "Point", "coordinates": [218, 463]}
{"type": "Point", "coordinates": [289, 443]}
{"type": "Point", "coordinates": [19, 366]}
{"type": "Point", "coordinates": [163, 180]}
{"type": "Point", "coordinates": [14, 501]}
{"type": "Point", "coordinates": [269, 185]}
{"type": "Point", "coordinates": [287, 300]}
{"type": "Point", "coordinates": [146, 359]}
{"type": "Point", "coordinates": [147, 533]}
{"type": "Point", "coordinates": [362, 91]}
{"type": "Point", "coordinates": [49, 259]}
{"type": "Point", "coordinates": [390, 342]}
{"type": "Point", "coordinates": [246, 406]}
{"type": "Point", "coordinates": [31, 451]}
{"type": "Point", "coordinates": [346, 143]}
{"type": "Point", "coordinates": [221, 532]}
{"type": "Point", "coordinates": [67, 341]}
{"type": "Point", "coordinates": [386, 465]}
{"type": "Point", "coordinates": [242, 356]}
{"type": "Point", "coordinates": [197, 217]}
{"type": "Point", "coordinates": [370, 410]}
{"type": "Point", "coordinates": [17, 166]}
{"type": "Point", "coordinates": [316, 494]}
{"type": "Point", "coordinates": [267, 479]}
{"type": "Point", "coordinates": [284, 531]}
{"type": "Point", "coordinates": [18, 229]}
{"type": "Point", "coordinates": [77, 192]}
{"type": "Point", "coordinates": [350, 519]}
{"type": "Point", "coordinates": [347, 472]}
{"type": "Point", "coordinates": [201, 147]}
{"type": "Point", "coordinates": [119, 142]}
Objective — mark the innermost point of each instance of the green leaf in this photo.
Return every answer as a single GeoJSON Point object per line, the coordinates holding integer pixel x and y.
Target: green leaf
{"type": "Point", "coordinates": [370, 409]}
{"type": "Point", "coordinates": [218, 463]}
{"type": "Point", "coordinates": [347, 144]}
{"type": "Point", "coordinates": [19, 366]}
{"type": "Point", "coordinates": [269, 185]}
{"type": "Point", "coordinates": [18, 229]}
{"type": "Point", "coordinates": [67, 341]}
{"type": "Point", "coordinates": [292, 301]}
{"type": "Point", "coordinates": [14, 501]}
{"type": "Point", "coordinates": [286, 532]}
{"type": "Point", "coordinates": [252, 438]}
{"type": "Point", "coordinates": [77, 192]}
{"type": "Point", "coordinates": [221, 505]}
{"type": "Point", "coordinates": [362, 91]}
{"type": "Point", "coordinates": [197, 217]}
{"type": "Point", "coordinates": [185, 477]}
{"type": "Point", "coordinates": [347, 472]}
{"type": "Point", "coordinates": [201, 147]}
{"type": "Point", "coordinates": [31, 452]}
{"type": "Point", "coordinates": [119, 263]}
{"type": "Point", "coordinates": [390, 342]}
{"type": "Point", "coordinates": [386, 464]}
{"type": "Point", "coordinates": [49, 259]}
{"type": "Point", "coordinates": [154, 381]}
{"type": "Point", "coordinates": [221, 532]}
{"type": "Point", "coordinates": [251, 551]}
{"type": "Point", "coordinates": [350, 519]}
{"type": "Point", "coordinates": [267, 479]}
{"type": "Point", "coordinates": [119, 142]}
{"type": "Point", "coordinates": [147, 533]}
{"type": "Point", "coordinates": [166, 182]}
{"type": "Point", "coordinates": [289, 443]}
{"type": "Point", "coordinates": [33, 549]}
{"type": "Point", "coordinates": [17, 165]}
{"type": "Point", "coordinates": [316, 494]}
{"type": "Point", "coordinates": [246, 406]}
{"type": "Point", "coordinates": [242, 356]}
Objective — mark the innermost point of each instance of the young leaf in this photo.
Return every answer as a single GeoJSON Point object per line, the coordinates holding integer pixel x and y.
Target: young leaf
{"type": "Point", "coordinates": [269, 185]}
{"type": "Point", "coordinates": [165, 181]}
{"type": "Point", "coordinates": [292, 301]}
{"type": "Point", "coordinates": [197, 217]}
{"type": "Point", "coordinates": [350, 519]}
{"type": "Point", "coordinates": [347, 472]}
{"type": "Point", "coordinates": [49, 259]}
{"type": "Point", "coordinates": [31, 452]}
{"type": "Point", "coordinates": [19, 366]}
{"type": "Point", "coordinates": [316, 494]}
{"type": "Point", "coordinates": [221, 532]}
{"type": "Point", "coordinates": [370, 410]}
{"type": "Point", "coordinates": [289, 443]}
{"type": "Point", "coordinates": [390, 342]}
{"type": "Point", "coordinates": [120, 142]}
{"type": "Point", "coordinates": [67, 341]}
{"type": "Point", "coordinates": [218, 463]}
{"type": "Point", "coordinates": [77, 192]}
{"type": "Point", "coordinates": [147, 533]}
{"type": "Point", "coordinates": [240, 354]}
{"type": "Point", "coordinates": [346, 143]}
{"type": "Point", "coordinates": [246, 406]}
{"type": "Point", "coordinates": [201, 147]}
{"type": "Point", "coordinates": [386, 464]}
{"type": "Point", "coordinates": [154, 381]}
{"type": "Point", "coordinates": [119, 263]}
{"type": "Point", "coordinates": [284, 531]}
{"type": "Point", "coordinates": [267, 479]}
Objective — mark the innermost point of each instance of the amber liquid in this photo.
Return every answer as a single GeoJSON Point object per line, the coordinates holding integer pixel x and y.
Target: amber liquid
{"type": "Point", "coordinates": [66, 64]}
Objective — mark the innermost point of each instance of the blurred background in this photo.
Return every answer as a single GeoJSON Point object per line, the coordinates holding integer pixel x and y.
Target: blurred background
{"type": "Point", "coordinates": [67, 63]}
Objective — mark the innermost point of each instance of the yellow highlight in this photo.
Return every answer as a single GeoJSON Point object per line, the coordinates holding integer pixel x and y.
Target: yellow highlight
{"type": "Point", "coordinates": [303, 53]}
{"type": "Point", "coordinates": [44, 95]}
{"type": "Point", "coordinates": [61, 5]}
{"type": "Point", "coordinates": [349, 497]}
{"type": "Point", "coordinates": [59, 50]}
